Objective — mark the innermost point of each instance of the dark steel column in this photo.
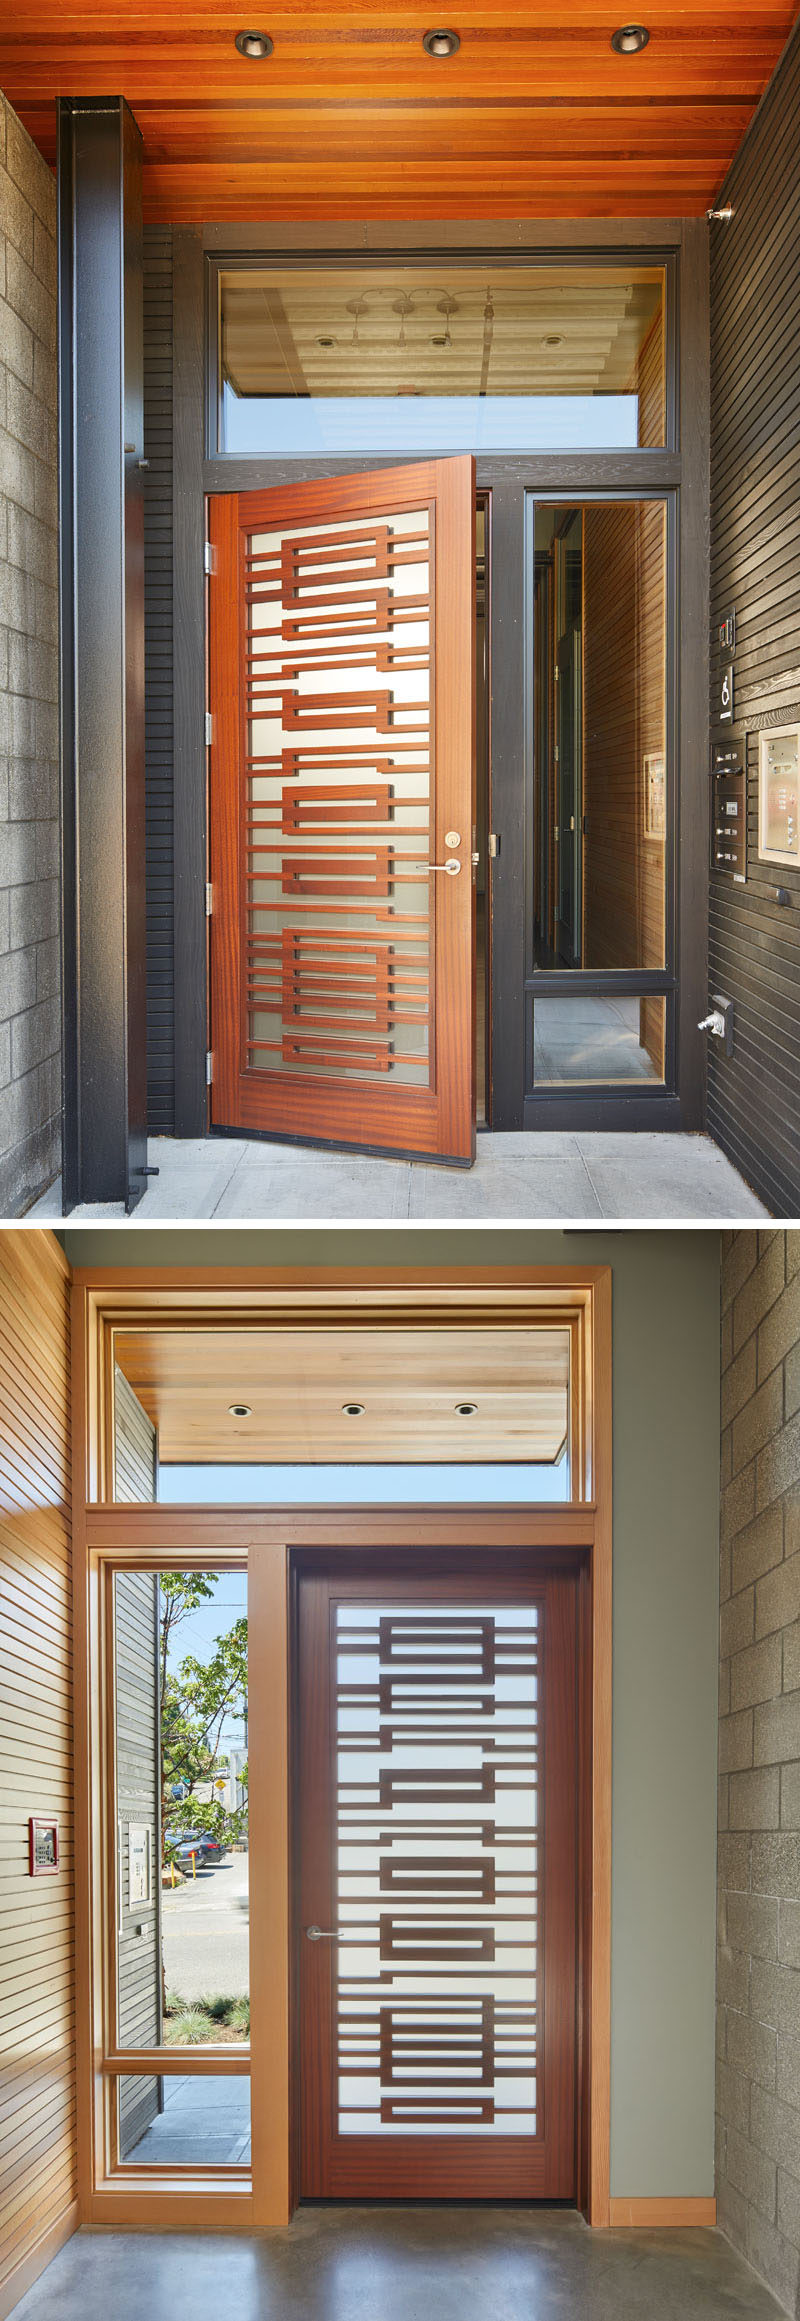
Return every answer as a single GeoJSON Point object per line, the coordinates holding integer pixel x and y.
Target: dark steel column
{"type": "Point", "coordinates": [102, 650]}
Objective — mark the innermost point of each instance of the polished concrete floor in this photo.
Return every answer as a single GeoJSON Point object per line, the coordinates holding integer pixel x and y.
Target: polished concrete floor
{"type": "Point", "coordinates": [403, 2264]}
{"type": "Point", "coordinates": [528, 1178]}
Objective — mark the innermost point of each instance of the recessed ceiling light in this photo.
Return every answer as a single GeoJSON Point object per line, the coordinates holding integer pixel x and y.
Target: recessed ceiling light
{"type": "Point", "coordinates": [466, 1409]}
{"type": "Point", "coordinates": [352, 1409]}
{"type": "Point", "coordinates": [239, 1410]}
{"type": "Point", "coordinates": [554, 339]}
{"type": "Point", "coordinates": [441, 43]}
{"type": "Point", "coordinates": [254, 45]}
{"type": "Point", "coordinates": [630, 39]}
{"type": "Point", "coordinates": [326, 342]}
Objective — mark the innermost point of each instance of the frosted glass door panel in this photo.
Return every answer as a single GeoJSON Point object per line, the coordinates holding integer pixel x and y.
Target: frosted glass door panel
{"type": "Point", "coordinates": [437, 1870]}
{"type": "Point", "coordinates": [340, 904]}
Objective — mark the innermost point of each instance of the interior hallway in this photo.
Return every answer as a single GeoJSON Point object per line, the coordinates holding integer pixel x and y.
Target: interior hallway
{"type": "Point", "coordinates": [342, 2263]}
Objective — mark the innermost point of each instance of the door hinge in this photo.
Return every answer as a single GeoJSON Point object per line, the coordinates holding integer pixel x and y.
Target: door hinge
{"type": "Point", "coordinates": [494, 843]}
{"type": "Point", "coordinates": [209, 557]}
{"type": "Point", "coordinates": [209, 899]}
{"type": "Point", "coordinates": [209, 1066]}
{"type": "Point", "coordinates": [209, 727]}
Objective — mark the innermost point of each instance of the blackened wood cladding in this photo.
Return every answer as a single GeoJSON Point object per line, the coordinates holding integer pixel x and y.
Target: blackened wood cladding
{"type": "Point", "coordinates": [138, 1789]}
{"type": "Point", "coordinates": [37, 1999]}
{"type": "Point", "coordinates": [158, 677]}
{"type": "Point", "coordinates": [754, 942]}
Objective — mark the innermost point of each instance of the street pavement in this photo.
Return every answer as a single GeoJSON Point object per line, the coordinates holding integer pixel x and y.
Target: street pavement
{"type": "Point", "coordinates": [206, 1932]}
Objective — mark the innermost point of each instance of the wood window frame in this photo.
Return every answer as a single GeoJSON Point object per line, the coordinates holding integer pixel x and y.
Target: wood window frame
{"type": "Point", "coordinates": [108, 1537]}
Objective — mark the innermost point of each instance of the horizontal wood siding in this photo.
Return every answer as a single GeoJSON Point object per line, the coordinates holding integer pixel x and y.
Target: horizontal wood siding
{"type": "Point", "coordinates": [158, 676]}
{"type": "Point", "coordinates": [134, 1445]}
{"type": "Point", "coordinates": [140, 2018]}
{"type": "Point", "coordinates": [37, 2003]}
{"type": "Point", "coordinates": [754, 942]}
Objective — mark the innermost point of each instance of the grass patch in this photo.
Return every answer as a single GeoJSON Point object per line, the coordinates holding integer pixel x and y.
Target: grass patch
{"type": "Point", "coordinates": [205, 2020]}
{"type": "Point", "coordinates": [191, 2029]}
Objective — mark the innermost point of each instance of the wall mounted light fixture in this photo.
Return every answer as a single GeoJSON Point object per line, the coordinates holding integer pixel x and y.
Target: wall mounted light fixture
{"type": "Point", "coordinates": [255, 45]}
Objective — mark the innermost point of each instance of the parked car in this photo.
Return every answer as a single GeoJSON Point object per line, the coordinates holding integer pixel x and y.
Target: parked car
{"type": "Point", "coordinates": [207, 1850]}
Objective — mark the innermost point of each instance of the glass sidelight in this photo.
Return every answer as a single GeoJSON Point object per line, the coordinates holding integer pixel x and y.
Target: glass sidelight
{"type": "Point", "coordinates": [180, 1954]}
{"type": "Point", "coordinates": [601, 819]}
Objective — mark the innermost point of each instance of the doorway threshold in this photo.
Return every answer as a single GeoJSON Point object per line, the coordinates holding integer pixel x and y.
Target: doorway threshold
{"type": "Point", "coordinates": [528, 1176]}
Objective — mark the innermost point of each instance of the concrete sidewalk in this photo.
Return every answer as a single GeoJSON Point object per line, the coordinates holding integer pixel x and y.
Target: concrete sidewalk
{"type": "Point", "coordinates": [527, 1178]}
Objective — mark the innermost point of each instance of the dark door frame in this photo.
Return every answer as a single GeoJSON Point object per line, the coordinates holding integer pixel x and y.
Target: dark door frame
{"type": "Point", "coordinates": [683, 472]}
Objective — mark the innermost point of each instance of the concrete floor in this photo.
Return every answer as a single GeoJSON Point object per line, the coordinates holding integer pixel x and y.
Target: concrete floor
{"type": "Point", "coordinates": [537, 1177]}
{"type": "Point", "coordinates": [403, 2264]}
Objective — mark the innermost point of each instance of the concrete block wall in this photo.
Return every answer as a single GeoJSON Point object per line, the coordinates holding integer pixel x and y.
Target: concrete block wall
{"type": "Point", "coordinates": [758, 1953]}
{"type": "Point", "coordinates": [30, 1011]}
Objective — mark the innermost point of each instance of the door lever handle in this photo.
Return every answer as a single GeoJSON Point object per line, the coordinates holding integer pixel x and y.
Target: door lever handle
{"type": "Point", "coordinates": [322, 1933]}
{"type": "Point", "coordinates": [452, 867]}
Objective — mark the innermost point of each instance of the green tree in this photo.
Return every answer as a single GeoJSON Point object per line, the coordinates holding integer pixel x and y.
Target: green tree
{"type": "Point", "coordinates": [195, 1698]}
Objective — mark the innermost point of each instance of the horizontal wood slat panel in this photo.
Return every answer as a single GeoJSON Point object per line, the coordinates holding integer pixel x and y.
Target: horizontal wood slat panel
{"type": "Point", "coordinates": [350, 118]}
{"type": "Point", "coordinates": [37, 2087]}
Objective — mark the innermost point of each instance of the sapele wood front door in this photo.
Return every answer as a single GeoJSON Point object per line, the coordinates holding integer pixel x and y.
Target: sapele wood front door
{"type": "Point", "coordinates": [437, 1884]}
{"type": "Point", "coordinates": [341, 636]}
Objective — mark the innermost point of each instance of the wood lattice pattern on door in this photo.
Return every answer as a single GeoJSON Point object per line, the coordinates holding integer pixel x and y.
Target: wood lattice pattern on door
{"type": "Point", "coordinates": [437, 1881]}
{"type": "Point", "coordinates": [338, 770]}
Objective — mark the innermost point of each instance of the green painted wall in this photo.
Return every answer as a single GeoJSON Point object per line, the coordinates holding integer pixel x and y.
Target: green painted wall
{"type": "Point", "coordinates": [666, 1518]}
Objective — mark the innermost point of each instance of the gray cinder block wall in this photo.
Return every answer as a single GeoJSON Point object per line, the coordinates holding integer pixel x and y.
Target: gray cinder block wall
{"type": "Point", "coordinates": [30, 1013]}
{"type": "Point", "coordinates": [758, 1955]}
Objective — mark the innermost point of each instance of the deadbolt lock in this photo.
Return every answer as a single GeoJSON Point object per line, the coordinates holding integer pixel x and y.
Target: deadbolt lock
{"type": "Point", "coordinates": [452, 838]}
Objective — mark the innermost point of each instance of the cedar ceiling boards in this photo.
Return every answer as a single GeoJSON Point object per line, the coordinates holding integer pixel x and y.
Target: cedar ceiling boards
{"type": "Point", "coordinates": [349, 118]}
{"type": "Point", "coordinates": [409, 1382]}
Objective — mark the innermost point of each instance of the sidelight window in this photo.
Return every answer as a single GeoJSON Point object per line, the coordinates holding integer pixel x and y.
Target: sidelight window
{"type": "Point", "coordinates": [599, 848]}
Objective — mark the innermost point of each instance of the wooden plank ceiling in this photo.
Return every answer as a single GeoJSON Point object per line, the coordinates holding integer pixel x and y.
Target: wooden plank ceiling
{"type": "Point", "coordinates": [535, 116]}
{"type": "Point", "coordinates": [408, 1381]}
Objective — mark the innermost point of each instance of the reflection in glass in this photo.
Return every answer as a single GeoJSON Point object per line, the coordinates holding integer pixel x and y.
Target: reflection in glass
{"type": "Point", "coordinates": [437, 1870]}
{"type": "Point", "coordinates": [595, 1037]}
{"type": "Point", "coordinates": [167, 2121]}
{"type": "Point", "coordinates": [340, 921]}
{"type": "Point", "coordinates": [779, 795]}
{"type": "Point", "coordinates": [180, 1694]}
{"type": "Point", "coordinates": [324, 361]}
{"type": "Point", "coordinates": [599, 658]}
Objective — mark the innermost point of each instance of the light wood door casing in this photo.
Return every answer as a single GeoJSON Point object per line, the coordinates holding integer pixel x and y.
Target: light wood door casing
{"type": "Point", "coordinates": [342, 658]}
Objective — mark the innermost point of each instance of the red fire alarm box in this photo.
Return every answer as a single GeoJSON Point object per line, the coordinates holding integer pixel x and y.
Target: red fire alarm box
{"type": "Point", "coordinates": [42, 1845]}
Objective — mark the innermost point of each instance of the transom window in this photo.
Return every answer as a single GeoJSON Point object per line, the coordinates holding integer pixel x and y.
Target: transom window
{"type": "Point", "coordinates": [434, 356]}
